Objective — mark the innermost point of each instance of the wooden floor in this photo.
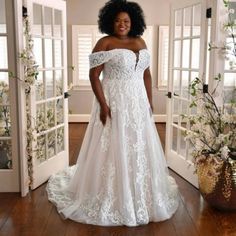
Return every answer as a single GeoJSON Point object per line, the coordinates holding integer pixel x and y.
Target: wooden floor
{"type": "Point", "coordinates": [34, 215]}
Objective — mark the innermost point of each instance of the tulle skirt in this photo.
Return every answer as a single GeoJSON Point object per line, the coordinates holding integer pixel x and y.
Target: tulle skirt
{"type": "Point", "coordinates": [121, 176]}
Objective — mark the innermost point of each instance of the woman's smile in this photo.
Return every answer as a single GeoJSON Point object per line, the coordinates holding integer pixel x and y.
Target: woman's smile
{"type": "Point", "coordinates": [122, 24]}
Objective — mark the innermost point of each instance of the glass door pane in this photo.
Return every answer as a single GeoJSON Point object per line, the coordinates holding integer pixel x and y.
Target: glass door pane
{"type": "Point", "coordinates": [47, 21]}
{"type": "Point", "coordinates": [5, 123]}
{"type": "Point", "coordinates": [177, 54]}
{"type": "Point", "coordinates": [57, 53]}
{"type": "Point", "coordinates": [5, 154]}
{"type": "Point", "coordinates": [3, 28]}
{"type": "Point", "coordinates": [195, 53]}
{"type": "Point", "coordinates": [187, 21]}
{"type": "Point", "coordinates": [178, 23]}
{"type": "Point", "coordinates": [3, 52]}
{"type": "Point", "coordinates": [196, 20]}
{"type": "Point", "coordinates": [57, 28]}
{"type": "Point", "coordinates": [48, 53]}
{"type": "Point", "coordinates": [37, 19]}
{"type": "Point", "coordinates": [38, 51]}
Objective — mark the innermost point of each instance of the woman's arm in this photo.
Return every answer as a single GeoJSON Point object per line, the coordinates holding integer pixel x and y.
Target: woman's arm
{"type": "Point", "coordinates": [147, 75]}
{"type": "Point", "coordinates": [148, 85]}
{"type": "Point", "coordinates": [98, 91]}
{"type": "Point", "coordinates": [94, 74]}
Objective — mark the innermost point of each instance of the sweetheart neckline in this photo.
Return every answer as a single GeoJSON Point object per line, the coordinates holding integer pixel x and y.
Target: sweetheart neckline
{"type": "Point", "coordinates": [136, 54]}
{"type": "Point", "coordinates": [127, 49]}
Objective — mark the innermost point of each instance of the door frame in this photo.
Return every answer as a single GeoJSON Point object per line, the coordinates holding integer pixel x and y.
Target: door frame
{"type": "Point", "coordinates": [24, 177]}
{"type": "Point", "coordinates": [188, 169]}
{"type": "Point", "coordinates": [10, 181]}
{"type": "Point", "coordinates": [216, 62]}
{"type": "Point", "coordinates": [23, 161]}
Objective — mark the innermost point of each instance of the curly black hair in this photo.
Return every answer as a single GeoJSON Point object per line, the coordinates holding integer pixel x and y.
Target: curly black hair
{"type": "Point", "coordinates": [112, 8]}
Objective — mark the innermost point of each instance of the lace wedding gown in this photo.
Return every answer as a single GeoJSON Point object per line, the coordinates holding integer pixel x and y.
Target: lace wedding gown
{"type": "Point", "coordinates": [121, 176]}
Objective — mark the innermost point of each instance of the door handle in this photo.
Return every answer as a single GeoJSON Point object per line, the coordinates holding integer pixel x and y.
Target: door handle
{"type": "Point", "coordinates": [175, 94]}
{"type": "Point", "coordinates": [66, 95]}
{"type": "Point", "coordinates": [169, 94]}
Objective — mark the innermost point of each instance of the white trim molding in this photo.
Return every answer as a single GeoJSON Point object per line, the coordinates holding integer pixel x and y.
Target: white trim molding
{"type": "Point", "coordinates": [24, 178]}
{"type": "Point", "coordinates": [80, 118]}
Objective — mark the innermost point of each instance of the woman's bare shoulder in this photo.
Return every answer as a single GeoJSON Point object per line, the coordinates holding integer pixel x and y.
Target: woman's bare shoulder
{"type": "Point", "coordinates": [103, 44]}
{"type": "Point", "coordinates": [139, 41]}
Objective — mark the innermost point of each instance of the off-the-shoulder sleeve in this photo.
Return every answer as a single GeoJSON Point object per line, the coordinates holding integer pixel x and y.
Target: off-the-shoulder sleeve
{"type": "Point", "coordinates": [98, 58]}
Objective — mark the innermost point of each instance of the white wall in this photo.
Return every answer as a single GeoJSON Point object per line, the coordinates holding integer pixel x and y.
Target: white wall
{"type": "Point", "coordinates": [86, 12]}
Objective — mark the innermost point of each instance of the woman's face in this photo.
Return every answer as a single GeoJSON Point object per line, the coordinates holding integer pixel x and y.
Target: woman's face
{"type": "Point", "coordinates": [122, 24]}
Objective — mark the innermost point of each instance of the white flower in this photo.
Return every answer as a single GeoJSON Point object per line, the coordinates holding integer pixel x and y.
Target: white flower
{"type": "Point", "coordinates": [228, 47]}
{"type": "Point", "coordinates": [227, 58]}
{"type": "Point", "coordinates": [70, 87]}
{"type": "Point", "coordinates": [227, 118]}
{"type": "Point", "coordinates": [225, 152]}
{"type": "Point", "coordinates": [222, 138]}
{"type": "Point", "coordinates": [231, 11]}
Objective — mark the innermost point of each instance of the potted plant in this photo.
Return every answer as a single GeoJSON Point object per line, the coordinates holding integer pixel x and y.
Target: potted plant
{"type": "Point", "coordinates": [212, 132]}
{"type": "Point", "coordinates": [212, 129]}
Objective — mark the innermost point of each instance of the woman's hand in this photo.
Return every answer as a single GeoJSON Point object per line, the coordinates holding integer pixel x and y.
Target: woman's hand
{"type": "Point", "coordinates": [104, 113]}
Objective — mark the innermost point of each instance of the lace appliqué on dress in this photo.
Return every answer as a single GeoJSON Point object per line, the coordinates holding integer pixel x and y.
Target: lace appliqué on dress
{"type": "Point", "coordinates": [126, 161]}
{"type": "Point", "coordinates": [99, 58]}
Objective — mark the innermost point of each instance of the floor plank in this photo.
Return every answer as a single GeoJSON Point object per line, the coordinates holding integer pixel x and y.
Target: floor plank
{"type": "Point", "coordinates": [7, 203]}
{"type": "Point", "coordinates": [34, 215]}
{"type": "Point", "coordinates": [55, 224]}
{"type": "Point", "coordinates": [29, 215]}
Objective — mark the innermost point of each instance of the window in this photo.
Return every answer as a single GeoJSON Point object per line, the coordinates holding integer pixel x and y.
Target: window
{"type": "Point", "coordinates": [3, 47]}
{"type": "Point", "coordinates": [163, 51]}
{"type": "Point", "coordinates": [84, 38]}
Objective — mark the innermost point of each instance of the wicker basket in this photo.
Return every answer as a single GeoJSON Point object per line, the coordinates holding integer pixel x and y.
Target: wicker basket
{"type": "Point", "coordinates": [217, 182]}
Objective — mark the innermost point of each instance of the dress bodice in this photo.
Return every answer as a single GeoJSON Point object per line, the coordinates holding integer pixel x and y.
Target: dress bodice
{"type": "Point", "coordinates": [121, 63]}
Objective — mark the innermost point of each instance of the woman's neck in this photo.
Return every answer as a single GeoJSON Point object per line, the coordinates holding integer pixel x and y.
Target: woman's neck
{"type": "Point", "coordinates": [122, 37]}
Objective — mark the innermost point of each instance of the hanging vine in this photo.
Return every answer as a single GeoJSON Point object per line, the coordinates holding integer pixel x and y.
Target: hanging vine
{"type": "Point", "coordinates": [30, 76]}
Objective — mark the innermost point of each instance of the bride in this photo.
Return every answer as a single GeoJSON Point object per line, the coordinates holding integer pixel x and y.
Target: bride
{"type": "Point", "coordinates": [121, 177]}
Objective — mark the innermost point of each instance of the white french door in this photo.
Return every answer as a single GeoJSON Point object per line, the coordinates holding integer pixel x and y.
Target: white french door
{"type": "Point", "coordinates": [49, 107]}
{"type": "Point", "coordinates": [9, 158]}
{"type": "Point", "coordinates": [229, 73]}
{"type": "Point", "coordinates": [187, 60]}
{"type": "Point", "coordinates": [222, 65]}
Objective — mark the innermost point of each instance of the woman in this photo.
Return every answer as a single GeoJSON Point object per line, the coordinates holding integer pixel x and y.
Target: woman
{"type": "Point", "coordinates": [121, 176]}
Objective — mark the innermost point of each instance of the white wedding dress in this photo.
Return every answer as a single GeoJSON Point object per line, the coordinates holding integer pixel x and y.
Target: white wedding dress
{"type": "Point", "coordinates": [121, 177]}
